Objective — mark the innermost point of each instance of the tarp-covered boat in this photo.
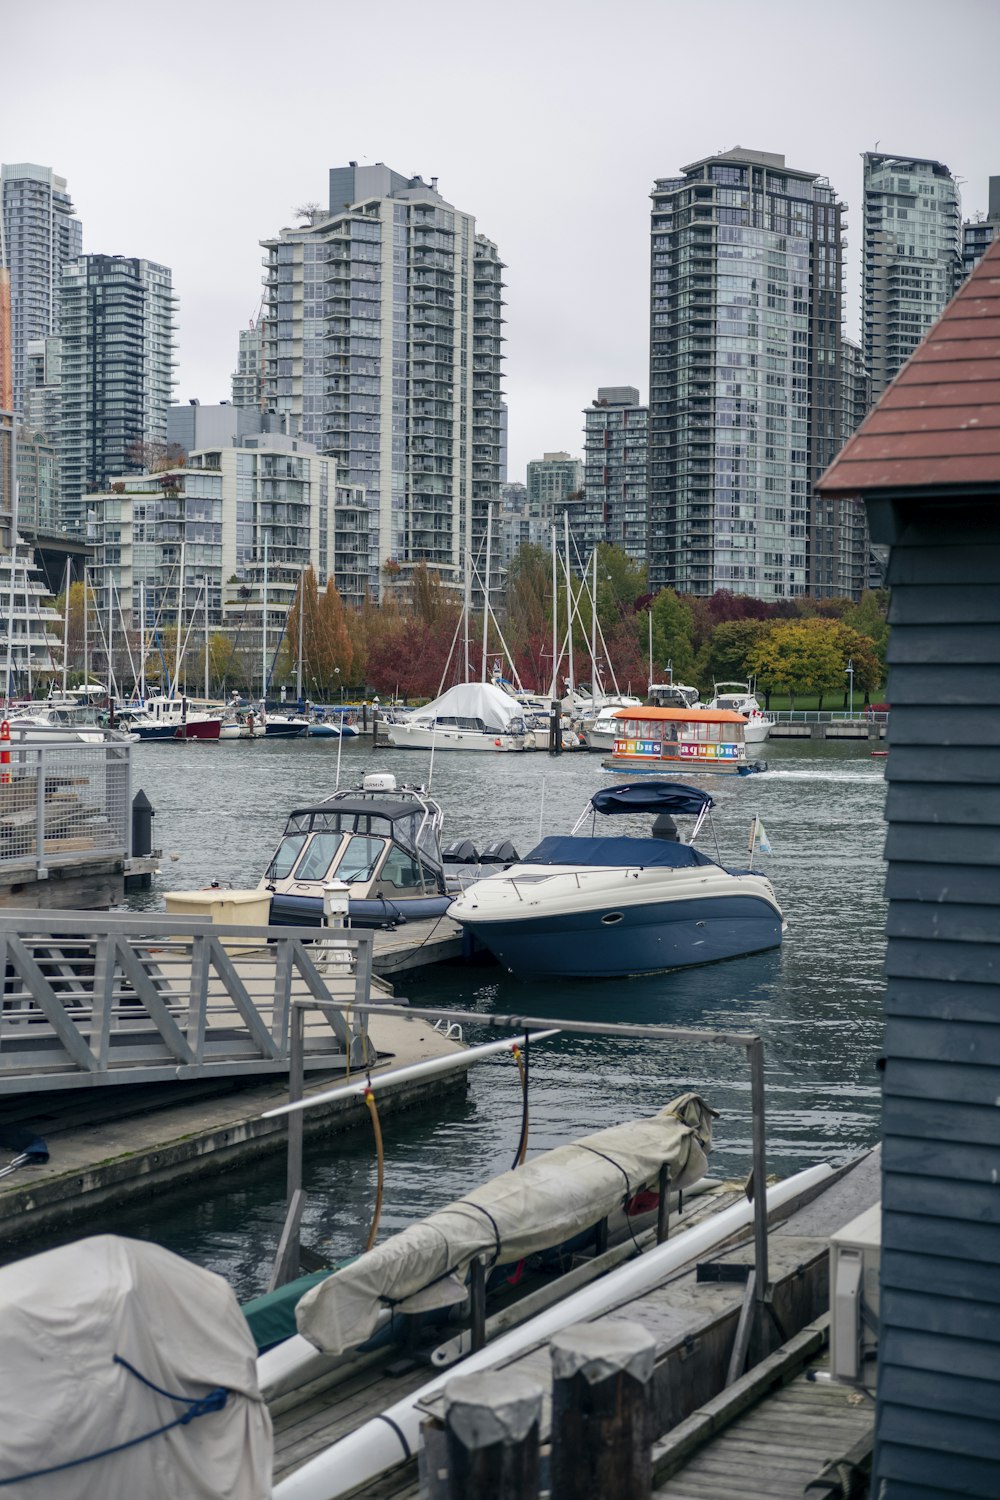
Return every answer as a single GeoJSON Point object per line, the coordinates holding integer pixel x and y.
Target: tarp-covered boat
{"type": "Point", "coordinates": [109, 1344]}
{"type": "Point", "coordinates": [520, 1213]}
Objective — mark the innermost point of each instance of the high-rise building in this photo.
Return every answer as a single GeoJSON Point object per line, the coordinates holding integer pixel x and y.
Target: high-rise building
{"type": "Point", "coordinates": [978, 234]}
{"type": "Point", "coordinates": [555, 490]}
{"type": "Point", "coordinates": [43, 387]}
{"type": "Point", "coordinates": [264, 508]}
{"type": "Point", "coordinates": [382, 336]}
{"type": "Point", "coordinates": [41, 237]}
{"type": "Point", "coordinates": [911, 257]}
{"type": "Point", "coordinates": [838, 528]}
{"type": "Point", "coordinates": [744, 374]}
{"type": "Point", "coordinates": [117, 328]}
{"type": "Point", "coordinates": [614, 482]}
{"type": "Point", "coordinates": [246, 380]}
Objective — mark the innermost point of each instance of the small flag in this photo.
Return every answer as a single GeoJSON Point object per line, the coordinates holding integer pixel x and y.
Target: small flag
{"type": "Point", "coordinates": [758, 836]}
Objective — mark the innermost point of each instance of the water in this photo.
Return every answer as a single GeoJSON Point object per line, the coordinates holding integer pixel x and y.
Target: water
{"type": "Point", "coordinates": [220, 810]}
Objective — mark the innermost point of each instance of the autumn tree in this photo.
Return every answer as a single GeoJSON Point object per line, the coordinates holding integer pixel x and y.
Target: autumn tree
{"type": "Point", "coordinates": [799, 656]}
{"type": "Point", "coordinates": [726, 654]}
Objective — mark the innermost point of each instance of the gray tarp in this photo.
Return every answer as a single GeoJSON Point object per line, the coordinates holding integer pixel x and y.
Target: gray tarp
{"type": "Point", "coordinates": [64, 1316]}
{"type": "Point", "coordinates": [547, 1201]}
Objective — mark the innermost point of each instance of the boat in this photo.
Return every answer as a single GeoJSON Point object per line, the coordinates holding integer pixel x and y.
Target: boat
{"type": "Point", "coordinates": [128, 1371]}
{"type": "Point", "coordinates": [673, 695]}
{"type": "Point", "coordinates": [60, 721]}
{"type": "Point", "coordinates": [172, 719]}
{"type": "Point", "coordinates": [602, 907]}
{"type": "Point", "coordinates": [241, 722]}
{"type": "Point", "coordinates": [604, 730]}
{"type": "Point", "coordinates": [740, 698]}
{"type": "Point", "coordinates": [284, 726]}
{"type": "Point", "coordinates": [539, 1217]}
{"type": "Point", "coordinates": [470, 716]}
{"type": "Point", "coordinates": [382, 839]}
{"type": "Point", "coordinates": [681, 741]}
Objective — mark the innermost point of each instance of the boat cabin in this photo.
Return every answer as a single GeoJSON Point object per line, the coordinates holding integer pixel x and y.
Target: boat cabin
{"type": "Point", "coordinates": [381, 843]}
{"type": "Point", "coordinates": [678, 739]}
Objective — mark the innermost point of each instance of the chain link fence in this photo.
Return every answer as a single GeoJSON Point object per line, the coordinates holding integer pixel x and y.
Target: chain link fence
{"type": "Point", "coordinates": [62, 801]}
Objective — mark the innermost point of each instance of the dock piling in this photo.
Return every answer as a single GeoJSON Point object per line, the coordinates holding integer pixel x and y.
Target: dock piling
{"type": "Point", "coordinates": [602, 1412]}
{"type": "Point", "coordinates": [491, 1431]}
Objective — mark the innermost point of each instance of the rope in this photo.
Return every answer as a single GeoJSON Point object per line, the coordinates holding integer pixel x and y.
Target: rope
{"type": "Point", "coordinates": [197, 1406]}
{"type": "Point", "coordinates": [380, 1155]}
{"type": "Point", "coordinates": [522, 1068]}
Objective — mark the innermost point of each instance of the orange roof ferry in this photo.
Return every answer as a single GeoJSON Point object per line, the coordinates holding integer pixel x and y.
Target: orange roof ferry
{"type": "Point", "coordinates": [681, 740]}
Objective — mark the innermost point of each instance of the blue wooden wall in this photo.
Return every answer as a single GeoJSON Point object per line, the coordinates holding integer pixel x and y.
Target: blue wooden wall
{"type": "Point", "coordinates": [938, 1416]}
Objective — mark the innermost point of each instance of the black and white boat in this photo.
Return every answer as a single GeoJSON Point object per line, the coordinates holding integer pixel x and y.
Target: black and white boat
{"type": "Point", "coordinates": [382, 840]}
{"type": "Point", "coordinates": [582, 906]}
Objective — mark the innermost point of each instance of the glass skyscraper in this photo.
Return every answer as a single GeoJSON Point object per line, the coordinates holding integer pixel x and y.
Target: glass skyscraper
{"type": "Point", "coordinates": [41, 236]}
{"type": "Point", "coordinates": [912, 257]}
{"type": "Point", "coordinates": [746, 292]}
{"type": "Point", "coordinates": [382, 337]}
{"type": "Point", "coordinates": [117, 328]}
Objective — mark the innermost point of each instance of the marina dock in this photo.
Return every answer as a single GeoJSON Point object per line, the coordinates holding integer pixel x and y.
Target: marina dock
{"type": "Point", "coordinates": [693, 1317]}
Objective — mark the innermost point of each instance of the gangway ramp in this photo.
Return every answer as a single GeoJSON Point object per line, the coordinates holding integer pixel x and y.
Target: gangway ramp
{"type": "Point", "coordinates": [94, 999]}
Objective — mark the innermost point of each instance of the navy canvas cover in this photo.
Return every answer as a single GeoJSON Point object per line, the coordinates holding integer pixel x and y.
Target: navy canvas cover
{"type": "Point", "coordinates": [568, 849]}
{"type": "Point", "coordinates": [651, 797]}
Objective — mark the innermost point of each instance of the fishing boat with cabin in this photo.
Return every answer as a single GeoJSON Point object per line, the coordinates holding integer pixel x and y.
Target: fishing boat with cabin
{"type": "Point", "coordinates": [681, 741]}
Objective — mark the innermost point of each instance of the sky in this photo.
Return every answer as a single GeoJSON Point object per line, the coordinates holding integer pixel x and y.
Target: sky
{"type": "Point", "coordinates": [188, 132]}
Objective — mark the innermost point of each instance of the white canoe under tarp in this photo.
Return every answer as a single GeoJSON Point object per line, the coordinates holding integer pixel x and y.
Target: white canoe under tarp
{"type": "Point", "coordinates": [541, 1204]}
{"type": "Point", "coordinates": [86, 1331]}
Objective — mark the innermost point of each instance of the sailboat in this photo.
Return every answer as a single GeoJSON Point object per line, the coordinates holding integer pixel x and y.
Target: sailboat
{"type": "Point", "coordinates": [472, 715]}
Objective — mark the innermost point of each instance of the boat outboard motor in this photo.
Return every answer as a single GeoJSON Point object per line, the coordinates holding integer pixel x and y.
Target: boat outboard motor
{"type": "Point", "coordinates": [460, 852]}
{"type": "Point", "coordinates": [500, 853]}
{"type": "Point", "coordinates": [664, 827]}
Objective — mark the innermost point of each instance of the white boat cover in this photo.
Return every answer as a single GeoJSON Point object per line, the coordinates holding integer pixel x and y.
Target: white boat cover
{"type": "Point", "coordinates": [472, 700]}
{"type": "Point", "coordinates": [64, 1316]}
{"type": "Point", "coordinates": [550, 1199]}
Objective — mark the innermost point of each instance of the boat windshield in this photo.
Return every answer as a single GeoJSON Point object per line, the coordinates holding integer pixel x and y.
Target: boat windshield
{"type": "Point", "coordinates": [285, 856]}
{"type": "Point", "coordinates": [318, 858]}
{"type": "Point", "coordinates": [360, 858]}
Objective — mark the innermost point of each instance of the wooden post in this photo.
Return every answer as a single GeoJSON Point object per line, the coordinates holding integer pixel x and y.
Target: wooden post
{"type": "Point", "coordinates": [602, 1412]}
{"type": "Point", "coordinates": [663, 1207]}
{"type": "Point", "coordinates": [477, 1302]}
{"type": "Point", "coordinates": [491, 1436]}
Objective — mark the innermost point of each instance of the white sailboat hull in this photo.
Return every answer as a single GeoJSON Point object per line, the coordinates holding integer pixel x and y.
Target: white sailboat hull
{"type": "Point", "coordinates": [423, 737]}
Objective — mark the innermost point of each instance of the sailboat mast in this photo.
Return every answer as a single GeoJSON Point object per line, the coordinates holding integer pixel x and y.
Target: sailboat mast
{"type": "Point", "coordinates": [86, 642]}
{"type": "Point", "coordinates": [206, 638]}
{"type": "Point", "coordinates": [650, 682]}
{"type": "Point", "coordinates": [486, 583]}
{"type": "Point", "coordinates": [569, 609]}
{"type": "Point", "coordinates": [555, 611]}
{"type": "Point", "coordinates": [112, 687]}
{"type": "Point", "coordinates": [302, 616]}
{"type": "Point", "coordinates": [142, 640]}
{"type": "Point", "coordinates": [69, 573]}
{"type": "Point", "coordinates": [466, 613]}
{"type": "Point", "coordinates": [263, 629]}
{"type": "Point", "coordinates": [593, 638]}
{"type": "Point", "coordinates": [180, 626]}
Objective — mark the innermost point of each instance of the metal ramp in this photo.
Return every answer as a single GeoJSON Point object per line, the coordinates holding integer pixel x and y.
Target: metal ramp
{"type": "Point", "coordinates": [92, 999]}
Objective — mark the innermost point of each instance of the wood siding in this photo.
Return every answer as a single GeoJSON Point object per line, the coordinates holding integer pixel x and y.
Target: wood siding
{"type": "Point", "coordinates": [938, 1422]}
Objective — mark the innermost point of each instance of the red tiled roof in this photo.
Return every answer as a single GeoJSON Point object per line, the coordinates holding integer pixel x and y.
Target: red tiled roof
{"type": "Point", "coordinates": [938, 423]}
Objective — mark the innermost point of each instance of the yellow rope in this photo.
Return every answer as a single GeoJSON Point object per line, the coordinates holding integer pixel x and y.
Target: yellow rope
{"type": "Point", "coordinates": [524, 1086]}
{"type": "Point", "coordinates": [377, 1128]}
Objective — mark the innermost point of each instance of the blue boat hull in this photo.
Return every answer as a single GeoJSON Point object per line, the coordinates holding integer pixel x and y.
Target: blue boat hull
{"type": "Point", "coordinates": [649, 938]}
{"type": "Point", "coordinates": [307, 911]}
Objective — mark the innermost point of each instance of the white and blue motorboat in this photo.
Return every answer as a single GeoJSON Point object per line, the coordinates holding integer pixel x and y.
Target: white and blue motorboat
{"type": "Point", "coordinates": [382, 840]}
{"type": "Point", "coordinates": [581, 906]}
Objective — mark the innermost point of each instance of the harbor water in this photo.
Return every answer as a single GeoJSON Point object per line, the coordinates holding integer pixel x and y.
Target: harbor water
{"type": "Point", "coordinates": [816, 1001]}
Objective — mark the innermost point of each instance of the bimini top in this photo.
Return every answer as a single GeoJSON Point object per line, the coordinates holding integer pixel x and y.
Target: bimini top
{"type": "Point", "coordinates": [654, 797]}
{"type": "Point", "coordinates": [682, 715]}
{"type": "Point", "coordinates": [645, 853]}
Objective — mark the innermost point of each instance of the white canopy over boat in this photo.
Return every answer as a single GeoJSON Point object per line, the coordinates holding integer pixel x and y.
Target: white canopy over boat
{"type": "Point", "coordinates": [542, 1204]}
{"type": "Point", "coordinates": [68, 1318]}
{"type": "Point", "coordinates": [472, 700]}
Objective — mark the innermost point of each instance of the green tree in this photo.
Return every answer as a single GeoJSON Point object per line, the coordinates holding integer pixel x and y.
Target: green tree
{"type": "Point", "coordinates": [620, 582]}
{"type": "Point", "coordinates": [726, 654]}
{"type": "Point", "coordinates": [673, 628]}
{"type": "Point", "coordinates": [799, 656]}
{"type": "Point", "coordinates": [870, 617]}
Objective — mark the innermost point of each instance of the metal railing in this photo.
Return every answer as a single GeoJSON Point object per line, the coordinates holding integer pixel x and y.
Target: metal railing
{"type": "Point", "coordinates": [828, 716]}
{"type": "Point", "coordinates": [61, 801]}
{"type": "Point", "coordinates": [92, 999]}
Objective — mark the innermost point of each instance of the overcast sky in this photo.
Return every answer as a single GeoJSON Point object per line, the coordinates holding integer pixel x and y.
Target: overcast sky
{"type": "Point", "coordinates": [189, 131]}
